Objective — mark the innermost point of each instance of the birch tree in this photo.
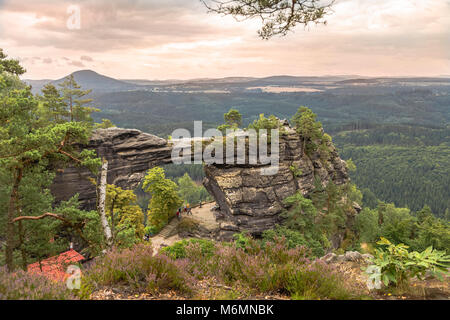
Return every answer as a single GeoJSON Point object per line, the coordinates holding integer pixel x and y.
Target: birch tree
{"type": "Point", "coordinates": [102, 204]}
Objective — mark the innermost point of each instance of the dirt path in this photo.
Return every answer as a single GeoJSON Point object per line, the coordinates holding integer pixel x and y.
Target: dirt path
{"type": "Point", "coordinates": [204, 215]}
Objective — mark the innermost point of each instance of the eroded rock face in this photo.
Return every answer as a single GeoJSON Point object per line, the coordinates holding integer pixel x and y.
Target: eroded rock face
{"type": "Point", "coordinates": [253, 202]}
{"type": "Point", "coordinates": [130, 153]}
{"type": "Point", "coordinates": [248, 200]}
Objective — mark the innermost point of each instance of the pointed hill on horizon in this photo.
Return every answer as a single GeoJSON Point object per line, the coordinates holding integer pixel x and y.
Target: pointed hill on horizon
{"type": "Point", "coordinates": [88, 79]}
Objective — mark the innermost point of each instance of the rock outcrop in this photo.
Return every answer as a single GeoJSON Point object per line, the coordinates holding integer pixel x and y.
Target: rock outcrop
{"type": "Point", "coordinates": [130, 153]}
{"type": "Point", "coordinates": [253, 202]}
{"type": "Point", "coordinates": [247, 199]}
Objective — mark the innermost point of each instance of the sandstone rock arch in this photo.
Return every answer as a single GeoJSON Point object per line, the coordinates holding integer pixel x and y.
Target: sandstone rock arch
{"type": "Point", "coordinates": [248, 200]}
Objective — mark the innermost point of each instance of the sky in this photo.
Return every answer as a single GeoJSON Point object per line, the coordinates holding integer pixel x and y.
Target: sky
{"type": "Point", "coordinates": [179, 39]}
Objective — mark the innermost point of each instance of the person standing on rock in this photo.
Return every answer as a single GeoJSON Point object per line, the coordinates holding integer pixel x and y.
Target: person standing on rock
{"type": "Point", "coordinates": [179, 213]}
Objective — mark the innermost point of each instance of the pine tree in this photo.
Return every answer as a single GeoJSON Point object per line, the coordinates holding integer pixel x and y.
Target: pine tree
{"type": "Point", "coordinates": [76, 100]}
{"type": "Point", "coordinates": [308, 128]}
{"type": "Point", "coordinates": [53, 106]}
{"type": "Point", "coordinates": [28, 143]}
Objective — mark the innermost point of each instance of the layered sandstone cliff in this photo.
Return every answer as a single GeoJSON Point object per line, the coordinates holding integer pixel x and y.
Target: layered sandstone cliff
{"type": "Point", "coordinates": [253, 202]}
{"type": "Point", "coordinates": [247, 199]}
{"type": "Point", "coordinates": [130, 153]}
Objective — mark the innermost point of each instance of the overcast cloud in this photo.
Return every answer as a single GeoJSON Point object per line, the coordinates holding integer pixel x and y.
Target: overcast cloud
{"type": "Point", "coordinates": [162, 39]}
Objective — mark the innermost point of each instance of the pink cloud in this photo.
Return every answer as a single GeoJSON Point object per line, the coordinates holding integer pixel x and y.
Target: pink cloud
{"type": "Point", "coordinates": [178, 39]}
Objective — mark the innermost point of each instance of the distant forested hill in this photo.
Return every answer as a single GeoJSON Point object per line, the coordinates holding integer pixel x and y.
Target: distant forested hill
{"type": "Point", "coordinates": [406, 165]}
{"type": "Point", "coordinates": [162, 112]}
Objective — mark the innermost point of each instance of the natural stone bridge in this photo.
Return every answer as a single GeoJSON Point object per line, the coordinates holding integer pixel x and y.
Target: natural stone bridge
{"type": "Point", "coordinates": [248, 200]}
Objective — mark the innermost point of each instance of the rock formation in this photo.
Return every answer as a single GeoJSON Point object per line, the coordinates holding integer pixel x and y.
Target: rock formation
{"type": "Point", "coordinates": [130, 153]}
{"type": "Point", "coordinates": [247, 200]}
{"type": "Point", "coordinates": [253, 202]}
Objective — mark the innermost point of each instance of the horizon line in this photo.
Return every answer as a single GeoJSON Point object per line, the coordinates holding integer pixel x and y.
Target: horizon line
{"type": "Point", "coordinates": [243, 76]}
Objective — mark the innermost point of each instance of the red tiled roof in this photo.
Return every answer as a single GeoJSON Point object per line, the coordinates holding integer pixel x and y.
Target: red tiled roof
{"type": "Point", "coordinates": [54, 267]}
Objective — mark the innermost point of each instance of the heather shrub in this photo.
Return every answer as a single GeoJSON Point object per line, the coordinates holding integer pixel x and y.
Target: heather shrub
{"type": "Point", "coordinates": [318, 281]}
{"type": "Point", "coordinates": [264, 269]}
{"type": "Point", "coordinates": [139, 269]}
{"type": "Point", "coordinates": [21, 285]}
{"type": "Point", "coordinates": [260, 268]}
{"type": "Point", "coordinates": [294, 238]}
{"type": "Point", "coordinates": [268, 268]}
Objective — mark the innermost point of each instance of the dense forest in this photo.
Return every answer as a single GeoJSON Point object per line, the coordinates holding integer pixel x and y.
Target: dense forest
{"type": "Point", "coordinates": [406, 165]}
{"type": "Point", "coordinates": [159, 112]}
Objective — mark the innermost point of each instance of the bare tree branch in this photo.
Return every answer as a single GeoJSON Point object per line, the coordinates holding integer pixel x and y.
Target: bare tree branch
{"type": "Point", "coordinates": [58, 217]}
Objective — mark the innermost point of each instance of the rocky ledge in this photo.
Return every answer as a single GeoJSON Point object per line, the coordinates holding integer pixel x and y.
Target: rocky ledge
{"type": "Point", "coordinates": [130, 153]}
{"type": "Point", "coordinates": [253, 202]}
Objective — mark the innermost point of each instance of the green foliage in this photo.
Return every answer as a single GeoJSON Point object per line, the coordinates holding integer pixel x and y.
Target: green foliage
{"type": "Point", "coordinates": [367, 225]}
{"type": "Point", "coordinates": [233, 120]}
{"type": "Point", "coordinates": [302, 217]}
{"type": "Point", "coordinates": [53, 107]}
{"type": "Point", "coordinates": [165, 199]}
{"type": "Point", "coordinates": [432, 232]}
{"type": "Point", "coordinates": [10, 66]}
{"type": "Point", "coordinates": [406, 165]}
{"type": "Point", "coordinates": [76, 101]}
{"type": "Point", "coordinates": [313, 222]}
{"type": "Point", "coordinates": [350, 165]}
{"type": "Point", "coordinates": [265, 123]}
{"type": "Point", "coordinates": [306, 124]}
{"type": "Point", "coordinates": [334, 203]}
{"type": "Point", "coordinates": [36, 139]}
{"type": "Point", "coordinates": [241, 240]}
{"type": "Point", "coordinates": [369, 199]}
{"type": "Point", "coordinates": [125, 217]}
{"type": "Point", "coordinates": [311, 131]}
{"type": "Point", "coordinates": [174, 171]}
{"type": "Point", "coordinates": [419, 231]}
{"type": "Point", "coordinates": [354, 194]}
{"type": "Point", "coordinates": [105, 124]}
{"type": "Point", "coordinates": [292, 237]}
{"type": "Point", "coordinates": [296, 171]}
{"type": "Point", "coordinates": [398, 265]}
{"type": "Point", "coordinates": [190, 192]}
{"type": "Point", "coordinates": [178, 249]}
{"type": "Point", "coordinates": [84, 225]}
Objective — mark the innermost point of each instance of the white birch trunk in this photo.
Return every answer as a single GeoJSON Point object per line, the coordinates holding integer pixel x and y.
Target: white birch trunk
{"type": "Point", "coordinates": [102, 204]}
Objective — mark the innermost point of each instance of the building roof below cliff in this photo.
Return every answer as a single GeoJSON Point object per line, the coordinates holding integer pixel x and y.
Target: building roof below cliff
{"type": "Point", "coordinates": [54, 267]}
